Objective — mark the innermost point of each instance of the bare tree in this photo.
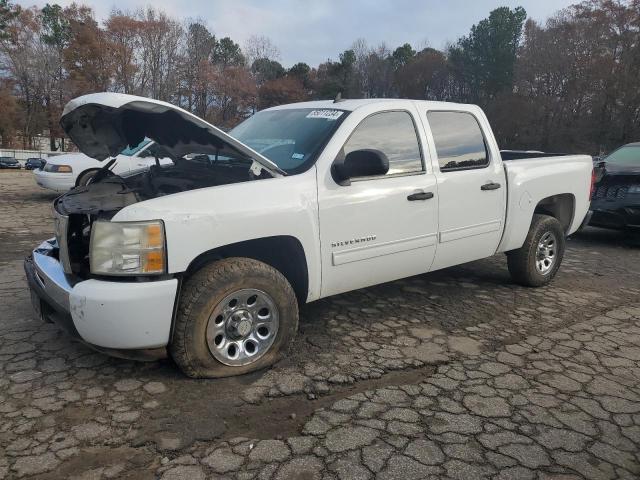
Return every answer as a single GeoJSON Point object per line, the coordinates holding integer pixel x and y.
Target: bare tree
{"type": "Point", "coordinates": [123, 33]}
{"type": "Point", "coordinates": [259, 46]}
{"type": "Point", "coordinates": [195, 63]}
{"type": "Point", "coordinates": [160, 38]}
{"type": "Point", "coordinates": [18, 45]}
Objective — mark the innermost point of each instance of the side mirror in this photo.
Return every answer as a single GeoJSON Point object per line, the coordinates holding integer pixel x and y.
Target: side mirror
{"type": "Point", "coordinates": [359, 163]}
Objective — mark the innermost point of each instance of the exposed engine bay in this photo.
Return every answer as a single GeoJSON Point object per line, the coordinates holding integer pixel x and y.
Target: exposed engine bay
{"type": "Point", "coordinates": [109, 193]}
{"type": "Point", "coordinates": [101, 125]}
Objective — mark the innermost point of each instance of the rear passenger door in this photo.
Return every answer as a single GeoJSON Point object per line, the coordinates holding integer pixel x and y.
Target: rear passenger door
{"type": "Point", "coordinates": [379, 228]}
{"type": "Point", "coordinates": [471, 188]}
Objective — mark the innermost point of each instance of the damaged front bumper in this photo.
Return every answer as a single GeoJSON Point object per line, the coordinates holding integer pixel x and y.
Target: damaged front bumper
{"type": "Point", "coordinates": [123, 318]}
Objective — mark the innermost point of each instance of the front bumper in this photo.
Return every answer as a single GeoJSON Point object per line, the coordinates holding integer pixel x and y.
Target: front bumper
{"type": "Point", "coordinates": [109, 315]}
{"type": "Point", "coordinates": [58, 182]}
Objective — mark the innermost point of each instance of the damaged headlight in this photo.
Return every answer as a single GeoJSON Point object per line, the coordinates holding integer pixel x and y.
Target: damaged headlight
{"type": "Point", "coordinates": [128, 248]}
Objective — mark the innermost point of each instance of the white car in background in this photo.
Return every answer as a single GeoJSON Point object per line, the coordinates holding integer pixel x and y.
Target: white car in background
{"type": "Point", "coordinates": [63, 172]}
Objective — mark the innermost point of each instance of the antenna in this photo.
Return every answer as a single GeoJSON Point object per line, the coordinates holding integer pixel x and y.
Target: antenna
{"type": "Point", "coordinates": [338, 98]}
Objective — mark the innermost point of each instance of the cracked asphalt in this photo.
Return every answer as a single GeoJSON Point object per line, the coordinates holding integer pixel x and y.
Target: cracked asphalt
{"type": "Point", "coordinates": [457, 374]}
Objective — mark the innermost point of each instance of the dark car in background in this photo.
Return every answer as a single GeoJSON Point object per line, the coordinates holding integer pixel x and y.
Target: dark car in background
{"type": "Point", "coordinates": [9, 162]}
{"type": "Point", "coordinates": [615, 201]}
{"type": "Point", "coordinates": [34, 164]}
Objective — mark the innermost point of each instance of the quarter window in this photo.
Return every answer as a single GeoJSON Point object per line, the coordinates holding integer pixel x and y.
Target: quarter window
{"type": "Point", "coordinates": [458, 140]}
{"type": "Point", "coordinates": [394, 134]}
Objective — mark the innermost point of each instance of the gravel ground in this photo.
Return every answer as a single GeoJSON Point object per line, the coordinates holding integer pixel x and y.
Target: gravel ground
{"type": "Point", "coordinates": [456, 374]}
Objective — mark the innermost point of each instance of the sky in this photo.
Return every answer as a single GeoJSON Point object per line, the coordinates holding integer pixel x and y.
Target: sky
{"type": "Point", "coordinates": [312, 31]}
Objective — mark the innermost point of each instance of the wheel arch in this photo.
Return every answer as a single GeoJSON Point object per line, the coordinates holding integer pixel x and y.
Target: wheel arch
{"type": "Point", "coordinates": [285, 253]}
{"type": "Point", "coordinates": [561, 206]}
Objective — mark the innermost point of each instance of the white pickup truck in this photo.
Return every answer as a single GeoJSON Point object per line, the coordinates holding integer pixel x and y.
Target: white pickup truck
{"type": "Point", "coordinates": [209, 257]}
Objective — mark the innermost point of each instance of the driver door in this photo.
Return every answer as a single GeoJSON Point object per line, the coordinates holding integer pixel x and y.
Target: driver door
{"type": "Point", "coordinates": [377, 229]}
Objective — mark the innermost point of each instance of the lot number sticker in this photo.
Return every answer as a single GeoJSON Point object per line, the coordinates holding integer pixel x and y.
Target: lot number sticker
{"type": "Point", "coordinates": [326, 114]}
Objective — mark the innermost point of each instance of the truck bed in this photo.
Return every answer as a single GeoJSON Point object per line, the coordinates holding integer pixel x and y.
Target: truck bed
{"type": "Point", "coordinates": [531, 180]}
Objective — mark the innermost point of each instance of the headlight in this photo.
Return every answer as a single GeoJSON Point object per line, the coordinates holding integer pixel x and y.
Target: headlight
{"type": "Point", "coordinates": [634, 189]}
{"type": "Point", "coordinates": [58, 168]}
{"type": "Point", "coordinates": [127, 248]}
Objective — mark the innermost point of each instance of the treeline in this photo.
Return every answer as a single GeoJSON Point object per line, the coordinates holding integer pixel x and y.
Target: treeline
{"type": "Point", "coordinates": [570, 84]}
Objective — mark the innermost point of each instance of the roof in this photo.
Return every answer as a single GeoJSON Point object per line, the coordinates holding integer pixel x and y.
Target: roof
{"type": "Point", "coordinates": [351, 105]}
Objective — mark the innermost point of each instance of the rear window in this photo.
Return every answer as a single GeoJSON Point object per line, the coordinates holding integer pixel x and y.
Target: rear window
{"type": "Point", "coordinates": [458, 140]}
{"type": "Point", "coordinates": [626, 156]}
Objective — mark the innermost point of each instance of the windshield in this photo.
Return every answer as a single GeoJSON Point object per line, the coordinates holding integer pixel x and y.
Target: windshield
{"type": "Point", "coordinates": [290, 138]}
{"type": "Point", "coordinates": [130, 151]}
{"type": "Point", "coordinates": [625, 156]}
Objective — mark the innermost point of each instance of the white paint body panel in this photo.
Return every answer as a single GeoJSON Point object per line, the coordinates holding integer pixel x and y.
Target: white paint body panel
{"type": "Point", "coordinates": [470, 220]}
{"type": "Point", "coordinates": [200, 220]}
{"type": "Point", "coordinates": [123, 315]}
{"type": "Point", "coordinates": [532, 180]}
{"type": "Point", "coordinates": [405, 232]}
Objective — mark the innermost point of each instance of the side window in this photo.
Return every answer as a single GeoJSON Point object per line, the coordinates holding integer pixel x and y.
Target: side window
{"type": "Point", "coordinates": [458, 140]}
{"type": "Point", "coordinates": [394, 134]}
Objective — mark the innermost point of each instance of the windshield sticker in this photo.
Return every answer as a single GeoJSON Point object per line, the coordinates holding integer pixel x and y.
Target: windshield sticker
{"type": "Point", "coordinates": [297, 156]}
{"type": "Point", "coordinates": [326, 114]}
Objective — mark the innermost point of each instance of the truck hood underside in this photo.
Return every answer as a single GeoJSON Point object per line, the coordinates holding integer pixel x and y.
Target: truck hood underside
{"type": "Point", "coordinates": [103, 124]}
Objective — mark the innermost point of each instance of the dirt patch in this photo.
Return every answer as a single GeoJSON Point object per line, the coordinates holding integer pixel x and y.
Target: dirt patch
{"type": "Point", "coordinates": [198, 415]}
{"type": "Point", "coordinates": [138, 464]}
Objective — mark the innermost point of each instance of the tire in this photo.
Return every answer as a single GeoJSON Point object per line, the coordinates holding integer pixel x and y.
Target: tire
{"type": "Point", "coordinates": [523, 262]}
{"type": "Point", "coordinates": [206, 312]}
{"type": "Point", "coordinates": [85, 177]}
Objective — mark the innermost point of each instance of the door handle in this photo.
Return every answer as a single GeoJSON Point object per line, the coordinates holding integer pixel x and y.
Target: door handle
{"type": "Point", "coordinates": [420, 196]}
{"type": "Point", "coordinates": [490, 186]}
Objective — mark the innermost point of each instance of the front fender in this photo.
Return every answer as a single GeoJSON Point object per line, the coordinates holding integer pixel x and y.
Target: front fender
{"type": "Point", "coordinates": [201, 220]}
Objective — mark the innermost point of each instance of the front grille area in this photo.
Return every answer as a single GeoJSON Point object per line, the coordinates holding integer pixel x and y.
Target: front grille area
{"type": "Point", "coordinates": [73, 234]}
{"type": "Point", "coordinates": [610, 193]}
{"type": "Point", "coordinates": [78, 242]}
{"type": "Point", "coordinates": [61, 225]}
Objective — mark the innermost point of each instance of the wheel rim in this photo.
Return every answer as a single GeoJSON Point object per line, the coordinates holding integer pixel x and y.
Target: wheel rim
{"type": "Point", "coordinates": [546, 253]}
{"type": "Point", "coordinates": [242, 327]}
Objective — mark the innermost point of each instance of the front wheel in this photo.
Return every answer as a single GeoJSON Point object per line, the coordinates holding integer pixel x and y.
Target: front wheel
{"type": "Point", "coordinates": [538, 260]}
{"type": "Point", "coordinates": [85, 178]}
{"type": "Point", "coordinates": [235, 316]}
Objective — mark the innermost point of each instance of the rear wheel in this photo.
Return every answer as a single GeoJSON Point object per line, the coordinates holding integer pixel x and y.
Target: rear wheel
{"type": "Point", "coordinates": [538, 260]}
{"type": "Point", "coordinates": [235, 316]}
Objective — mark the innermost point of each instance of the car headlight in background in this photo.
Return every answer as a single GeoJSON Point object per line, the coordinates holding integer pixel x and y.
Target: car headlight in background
{"type": "Point", "coordinates": [58, 168]}
{"type": "Point", "coordinates": [634, 189]}
{"type": "Point", "coordinates": [127, 248]}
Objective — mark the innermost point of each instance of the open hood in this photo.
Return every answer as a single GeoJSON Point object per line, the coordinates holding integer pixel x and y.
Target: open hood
{"type": "Point", "coordinates": [104, 124]}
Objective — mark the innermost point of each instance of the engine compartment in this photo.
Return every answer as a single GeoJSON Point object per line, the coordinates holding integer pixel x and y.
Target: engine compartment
{"type": "Point", "coordinates": [109, 193]}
